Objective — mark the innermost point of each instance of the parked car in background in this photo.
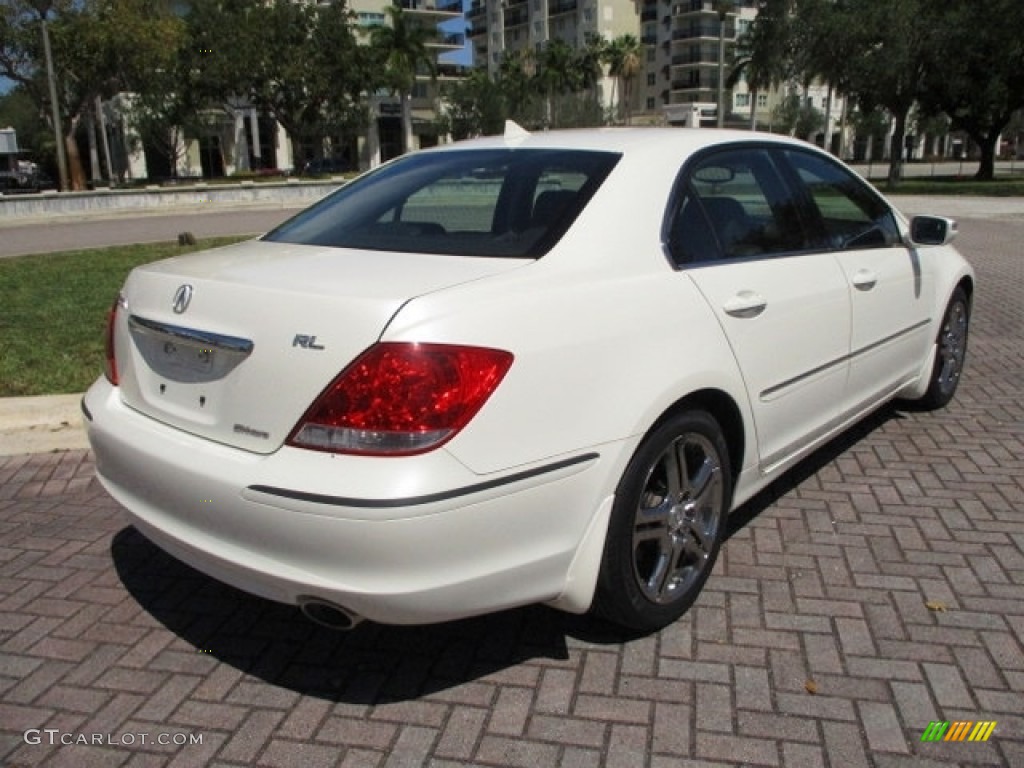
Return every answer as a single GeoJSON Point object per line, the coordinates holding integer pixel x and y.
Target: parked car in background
{"type": "Point", "coordinates": [520, 369]}
{"type": "Point", "coordinates": [23, 181]}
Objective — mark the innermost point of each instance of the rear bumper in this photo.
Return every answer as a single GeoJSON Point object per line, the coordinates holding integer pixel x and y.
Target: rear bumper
{"type": "Point", "coordinates": [407, 540]}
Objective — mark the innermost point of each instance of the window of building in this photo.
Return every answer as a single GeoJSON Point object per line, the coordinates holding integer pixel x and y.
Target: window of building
{"type": "Point", "coordinates": [762, 100]}
{"type": "Point", "coordinates": [650, 103]}
{"type": "Point", "coordinates": [369, 19]}
{"type": "Point", "coordinates": [742, 100]}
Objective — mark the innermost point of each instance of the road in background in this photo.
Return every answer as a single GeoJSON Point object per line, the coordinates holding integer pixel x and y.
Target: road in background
{"type": "Point", "coordinates": [64, 235]}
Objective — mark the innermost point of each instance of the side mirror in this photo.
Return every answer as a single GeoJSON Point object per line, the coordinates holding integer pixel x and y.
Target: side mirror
{"type": "Point", "coordinates": [932, 230]}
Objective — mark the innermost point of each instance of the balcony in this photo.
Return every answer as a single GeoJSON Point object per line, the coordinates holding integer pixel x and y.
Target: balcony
{"type": "Point", "coordinates": [451, 71]}
{"type": "Point", "coordinates": [516, 18]}
{"type": "Point", "coordinates": [684, 59]}
{"type": "Point", "coordinates": [562, 6]}
{"type": "Point", "coordinates": [448, 40]}
{"type": "Point", "coordinates": [440, 8]}
{"type": "Point", "coordinates": [703, 30]}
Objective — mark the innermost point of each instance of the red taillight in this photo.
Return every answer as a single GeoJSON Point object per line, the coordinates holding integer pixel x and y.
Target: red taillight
{"type": "Point", "coordinates": [110, 369]}
{"type": "Point", "coordinates": [401, 398]}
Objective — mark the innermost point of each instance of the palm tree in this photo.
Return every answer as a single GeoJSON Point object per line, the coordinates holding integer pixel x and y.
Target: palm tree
{"type": "Point", "coordinates": [589, 63]}
{"type": "Point", "coordinates": [764, 53]}
{"type": "Point", "coordinates": [403, 45]}
{"type": "Point", "coordinates": [556, 74]}
{"type": "Point", "coordinates": [623, 57]}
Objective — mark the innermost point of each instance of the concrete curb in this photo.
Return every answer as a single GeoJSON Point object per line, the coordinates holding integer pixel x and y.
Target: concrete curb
{"type": "Point", "coordinates": [41, 424]}
{"type": "Point", "coordinates": [26, 209]}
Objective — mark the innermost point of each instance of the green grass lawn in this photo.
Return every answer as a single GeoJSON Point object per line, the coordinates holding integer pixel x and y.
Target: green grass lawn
{"type": "Point", "coordinates": [1001, 186]}
{"type": "Point", "coordinates": [54, 311]}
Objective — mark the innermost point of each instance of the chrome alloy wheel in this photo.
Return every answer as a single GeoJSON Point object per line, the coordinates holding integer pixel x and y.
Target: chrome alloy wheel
{"type": "Point", "coordinates": [677, 520]}
{"type": "Point", "coordinates": [952, 345]}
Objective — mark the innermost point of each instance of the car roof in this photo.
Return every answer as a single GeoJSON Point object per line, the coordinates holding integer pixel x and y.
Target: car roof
{"type": "Point", "coordinates": [624, 140]}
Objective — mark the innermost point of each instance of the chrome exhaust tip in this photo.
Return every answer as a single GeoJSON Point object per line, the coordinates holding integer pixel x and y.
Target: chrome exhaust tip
{"type": "Point", "coordinates": [328, 614]}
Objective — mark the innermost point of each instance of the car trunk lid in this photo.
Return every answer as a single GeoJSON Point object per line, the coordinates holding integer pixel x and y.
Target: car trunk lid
{"type": "Point", "coordinates": [235, 344]}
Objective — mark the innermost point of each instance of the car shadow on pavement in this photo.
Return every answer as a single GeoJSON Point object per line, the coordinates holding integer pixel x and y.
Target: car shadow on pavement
{"type": "Point", "coordinates": [375, 664]}
{"type": "Point", "coordinates": [371, 664]}
{"type": "Point", "coordinates": [812, 464]}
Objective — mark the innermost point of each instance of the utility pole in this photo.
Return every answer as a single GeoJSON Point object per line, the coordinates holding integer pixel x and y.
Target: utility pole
{"type": "Point", "coordinates": [62, 163]}
{"type": "Point", "coordinates": [723, 8]}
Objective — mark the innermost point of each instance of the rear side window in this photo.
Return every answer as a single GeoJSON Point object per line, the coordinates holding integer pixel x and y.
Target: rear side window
{"type": "Point", "coordinates": [494, 202]}
{"type": "Point", "coordinates": [850, 215]}
{"type": "Point", "coordinates": [734, 204]}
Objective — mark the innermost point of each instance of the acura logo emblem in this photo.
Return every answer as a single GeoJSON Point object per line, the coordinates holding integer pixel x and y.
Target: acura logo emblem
{"type": "Point", "coordinates": [182, 297]}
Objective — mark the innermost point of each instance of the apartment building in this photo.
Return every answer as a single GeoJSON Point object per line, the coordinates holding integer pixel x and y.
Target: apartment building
{"type": "Point", "coordinates": [681, 39]}
{"type": "Point", "coordinates": [500, 27]}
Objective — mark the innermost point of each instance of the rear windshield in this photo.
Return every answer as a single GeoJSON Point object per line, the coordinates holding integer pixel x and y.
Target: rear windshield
{"type": "Point", "coordinates": [489, 202]}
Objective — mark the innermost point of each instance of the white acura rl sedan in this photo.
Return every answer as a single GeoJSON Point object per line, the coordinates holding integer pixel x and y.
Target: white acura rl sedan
{"type": "Point", "coordinates": [520, 369]}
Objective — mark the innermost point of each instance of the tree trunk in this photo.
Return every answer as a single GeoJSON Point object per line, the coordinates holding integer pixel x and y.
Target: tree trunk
{"type": "Point", "coordinates": [896, 150]}
{"type": "Point", "coordinates": [987, 165]}
{"type": "Point", "coordinates": [753, 109]}
{"type": "Point", "coordinates": [94, 151]}
{"type": "Point", "coordinates": [76, 173]}
{"type": "Point", "coordinates": [827, 142]}
{"type": "Point", "coordinates": [407, 137]}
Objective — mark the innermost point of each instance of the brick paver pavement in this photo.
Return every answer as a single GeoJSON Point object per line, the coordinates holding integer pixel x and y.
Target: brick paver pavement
{"type": "Point", "coordinates": [886, 575]}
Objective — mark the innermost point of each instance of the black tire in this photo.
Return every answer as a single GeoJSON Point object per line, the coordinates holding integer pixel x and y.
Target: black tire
{"type": "Point", "coordinates": [950, 353]}
{"type": "Point", "coordinates": [667, 524]}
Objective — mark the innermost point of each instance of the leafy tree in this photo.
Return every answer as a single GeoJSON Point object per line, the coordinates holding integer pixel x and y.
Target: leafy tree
{"type": "Point", "coordinates": [301, 63]}
{"type": "Point", "coordinates": [976, 72]}
{"type": "Point", "coordinates": [796, 117]}
{"type": "Point", "coordinates": [99, 48]}
{"type": "Point", "coordinates": [476, 106]}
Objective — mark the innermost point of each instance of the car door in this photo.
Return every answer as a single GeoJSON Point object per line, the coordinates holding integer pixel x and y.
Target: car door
{"type": "Point", "coordinates": [735, 230]}
{"type": "Point", "coordinates": [890, 288]}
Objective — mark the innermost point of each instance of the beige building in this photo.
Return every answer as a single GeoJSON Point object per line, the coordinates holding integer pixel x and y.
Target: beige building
{"type": "Point", "coordinates": [384, 137]}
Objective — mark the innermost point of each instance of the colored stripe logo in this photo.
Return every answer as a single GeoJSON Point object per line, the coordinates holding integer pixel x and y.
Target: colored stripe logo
{"type": "Point", "coordinates": [959, 730]}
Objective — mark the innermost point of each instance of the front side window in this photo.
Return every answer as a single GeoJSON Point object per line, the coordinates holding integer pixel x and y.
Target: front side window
{"type": "Point", "coordinates": [488, 202]}
{"type": "Point", "coordinates": [739, 199]}
{"type": "Point", "coordinates": [850, 214]}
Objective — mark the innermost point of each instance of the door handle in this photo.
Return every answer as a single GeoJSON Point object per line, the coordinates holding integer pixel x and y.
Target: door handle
{"type": "Point", "coordinates": [745, 304]}
{"type": "Point", "coordinates": [864, 280]}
